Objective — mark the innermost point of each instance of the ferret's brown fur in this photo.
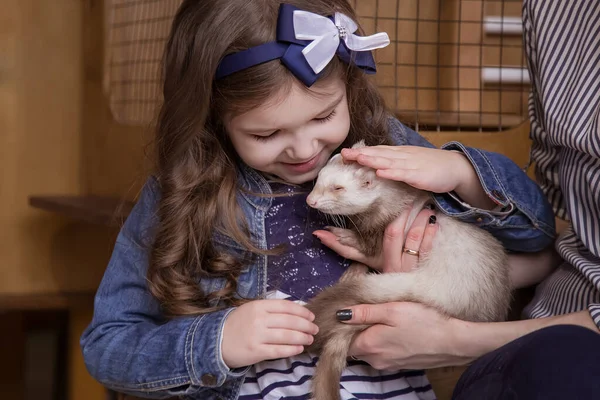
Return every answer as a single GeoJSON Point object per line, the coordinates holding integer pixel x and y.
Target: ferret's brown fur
{"type": "Point", "coordinates": [465, 275]}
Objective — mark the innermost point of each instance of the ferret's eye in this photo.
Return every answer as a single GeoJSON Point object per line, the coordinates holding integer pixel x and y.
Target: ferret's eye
{"type": "Point", "coordinates": [338, 188]}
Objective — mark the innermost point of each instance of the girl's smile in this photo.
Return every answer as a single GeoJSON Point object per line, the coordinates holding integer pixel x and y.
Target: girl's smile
{"type": "Point", "coordinates": [305, 166]}
{"type": "Point", "coordinates": [293, 136]}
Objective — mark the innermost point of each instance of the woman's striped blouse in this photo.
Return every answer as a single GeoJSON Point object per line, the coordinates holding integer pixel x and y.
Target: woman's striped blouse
{"type": "Point", "coordinates": [562, 44]}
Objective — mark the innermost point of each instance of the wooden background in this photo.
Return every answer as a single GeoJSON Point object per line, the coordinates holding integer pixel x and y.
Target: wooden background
{"type": "Point", "coordinates": [58, 136]}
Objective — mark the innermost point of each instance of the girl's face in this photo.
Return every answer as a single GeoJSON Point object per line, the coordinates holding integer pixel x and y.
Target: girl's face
{"type": "Point", "coordinates": [294, 135]}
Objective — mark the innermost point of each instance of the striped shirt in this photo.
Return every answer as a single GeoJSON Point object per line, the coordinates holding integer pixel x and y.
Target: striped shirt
{"type": "Point", "coordinates": [562, 43]}
{"type": "Point", "coordinates": [290, 379]}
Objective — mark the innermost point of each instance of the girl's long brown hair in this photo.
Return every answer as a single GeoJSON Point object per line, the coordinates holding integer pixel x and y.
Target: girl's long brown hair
{"type": "Point", "coordinates": [196, 164]}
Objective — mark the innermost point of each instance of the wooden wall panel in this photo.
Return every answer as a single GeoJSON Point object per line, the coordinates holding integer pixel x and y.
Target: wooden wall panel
{"type": "Point", "coordinates": [57, 136]}
{"type": "Point", "coordinates": [115, 154]}
{"type": "Point", "coordinates": [12, 346]}
{"type": "Point", "coordinates": [81, 386]}
{"type": "Point", "coordinates": [40, 140]}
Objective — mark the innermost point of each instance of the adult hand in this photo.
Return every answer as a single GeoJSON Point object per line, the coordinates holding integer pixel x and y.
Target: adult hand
{"type": "Point", "coordinates": [406, 336]}
{"type": "Point", "coordinates": [528, 269]}
{"type": "Point", "coordinates": [264, 330]}
{"type": "Point", "coordinates": [419, 238]}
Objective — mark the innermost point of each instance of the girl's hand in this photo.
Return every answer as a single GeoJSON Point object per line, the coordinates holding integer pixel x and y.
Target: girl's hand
{"type": "Point", "coordinates": [434, 170]}
{"type": "Point", "coordinates": [264, 330]}
{"type": "Point", "coordinates": [392, 258]}
{"type": "Point", "coordinates": [406, 336]}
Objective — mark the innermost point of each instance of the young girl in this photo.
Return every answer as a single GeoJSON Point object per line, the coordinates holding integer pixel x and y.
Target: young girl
{"type": "Point", "coordinates": [199, 299]}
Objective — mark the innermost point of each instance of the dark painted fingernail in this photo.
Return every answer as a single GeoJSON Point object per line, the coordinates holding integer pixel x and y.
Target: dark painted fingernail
{"type": "Point", "coordinates": [429, 206]}
{"type": "Point", "coordinates": [344, 315]}
{"type": "Point", "coordinates": [432, 219]}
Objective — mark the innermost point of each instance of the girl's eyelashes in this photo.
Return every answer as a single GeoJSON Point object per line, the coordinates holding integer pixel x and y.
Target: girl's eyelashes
{"type": "Point", "coordinates": [327, 118]}
{"type": "Point", "coordinates": [264, 138]}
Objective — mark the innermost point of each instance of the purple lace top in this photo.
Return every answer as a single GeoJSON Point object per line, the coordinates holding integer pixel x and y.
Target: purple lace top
{"type": "Point", "coordinates": [306, 266]}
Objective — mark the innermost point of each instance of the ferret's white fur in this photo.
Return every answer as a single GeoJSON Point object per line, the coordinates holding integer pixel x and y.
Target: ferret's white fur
{"type": "Point", "coordinates": [465, 275]}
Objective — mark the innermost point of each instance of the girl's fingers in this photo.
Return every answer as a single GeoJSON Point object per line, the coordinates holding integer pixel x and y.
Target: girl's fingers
{"type": "Point", "coordinates": [272, 352]}
{"type": "Point", "coordinates": [392, 174]}
{"type": "Point", "coordinates": [378, 162]}
{"type": "Point", "coordinates": [414, 237]}
{"type": "Point", "coordinates": [288, 307]}
{"type": "Point", "coordinates": [394, 152]}
{"type": "Point", "coordinates": [411, 176]}
{"type": "Point", "coordinates": [287, 337]}
{"type": "Point", "coordinates": [286, 321]}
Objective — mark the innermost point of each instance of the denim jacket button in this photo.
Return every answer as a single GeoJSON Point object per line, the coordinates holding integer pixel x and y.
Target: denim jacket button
{"type": "Point", "coordinates": [208, 380]}
{"type": "Point", "coordinates": [498, 195]}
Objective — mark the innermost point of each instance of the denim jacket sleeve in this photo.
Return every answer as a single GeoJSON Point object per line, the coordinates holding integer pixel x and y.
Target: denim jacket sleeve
{"type": "Point", "coordinates": [523, 220]}
{"type": "Point", "coordinates": [129, 346]}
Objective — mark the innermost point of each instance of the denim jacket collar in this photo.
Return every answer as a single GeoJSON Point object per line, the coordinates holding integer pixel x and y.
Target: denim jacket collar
{"type": "Point", "coordinates": [251, 183]}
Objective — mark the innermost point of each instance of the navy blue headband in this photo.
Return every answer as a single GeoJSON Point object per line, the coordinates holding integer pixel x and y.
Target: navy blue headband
{"type": "Point", "coordinates": [306, 42]}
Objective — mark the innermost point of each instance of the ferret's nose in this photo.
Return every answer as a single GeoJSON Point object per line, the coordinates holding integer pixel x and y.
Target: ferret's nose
{"type": "Point", "coordinates": [311, 200]}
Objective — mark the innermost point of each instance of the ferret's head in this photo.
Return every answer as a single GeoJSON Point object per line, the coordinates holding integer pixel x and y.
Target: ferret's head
{"type": "Point", "coordinates": [344, 188]}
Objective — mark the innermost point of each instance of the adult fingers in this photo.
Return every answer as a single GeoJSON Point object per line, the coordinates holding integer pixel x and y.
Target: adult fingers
{"type": "Point", "coordinates": [430, 231]}
{"type": "Point", "coordinates": [414, 237]}
{"type": "Point", "coordinates": [366, 314]}
{"type": "Point", "coordinates": [331, 241]}
{"type": "Point", "coordinates": [293, 322]}
{"type": "Point", "coordinates": [393, 239]}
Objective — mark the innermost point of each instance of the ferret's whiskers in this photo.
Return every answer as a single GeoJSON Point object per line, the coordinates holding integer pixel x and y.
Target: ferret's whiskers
{"type": "Point", "coordinates": [340, 221]}
{"type": "Point", "coordinates": [336, 220]}
{"type": "Point", "coordinates": [357, 230]}
{"type": "Point", "coordinates": [328, 218]}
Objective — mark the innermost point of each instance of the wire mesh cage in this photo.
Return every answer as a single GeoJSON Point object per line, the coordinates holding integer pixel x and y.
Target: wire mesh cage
{"type": "Point", "coordinates": [452, 64]}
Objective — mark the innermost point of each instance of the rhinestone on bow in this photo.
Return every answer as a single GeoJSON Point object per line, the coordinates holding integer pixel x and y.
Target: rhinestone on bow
{"type": "Point", "coordinates": [343, 32]}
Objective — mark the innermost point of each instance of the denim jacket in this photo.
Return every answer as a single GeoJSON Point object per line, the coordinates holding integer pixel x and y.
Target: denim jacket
{"type": "Point", "coordinates": [132, 348]}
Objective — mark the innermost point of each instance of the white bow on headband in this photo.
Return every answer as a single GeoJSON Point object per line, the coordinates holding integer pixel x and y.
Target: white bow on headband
{"type": "Point", "coordinates": [326, 35]}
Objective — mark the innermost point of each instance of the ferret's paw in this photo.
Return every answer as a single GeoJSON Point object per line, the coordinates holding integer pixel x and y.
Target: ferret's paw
{"type": "Point", "coordinates": [345, 236]}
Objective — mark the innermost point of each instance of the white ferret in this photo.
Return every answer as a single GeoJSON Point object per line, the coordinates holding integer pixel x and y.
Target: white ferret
{"type": "Point", "coordinates": [465, 275]}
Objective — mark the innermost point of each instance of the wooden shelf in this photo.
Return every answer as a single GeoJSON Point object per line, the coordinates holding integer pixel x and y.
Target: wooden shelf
{"type": "Point", "coordinates": [44, 301]}
{"type": "Point", "coordinates": [107, 211]}
{"type": "Point", "coordinates": [466, 121]}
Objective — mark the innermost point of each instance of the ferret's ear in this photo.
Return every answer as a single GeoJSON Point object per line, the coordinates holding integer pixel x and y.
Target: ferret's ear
{"type": "Point", "coordinates": [359, 144]}
{"type": "Point", "coordinates": [336, 159]}
{"type": "Point", "coordinates": [366, 176]}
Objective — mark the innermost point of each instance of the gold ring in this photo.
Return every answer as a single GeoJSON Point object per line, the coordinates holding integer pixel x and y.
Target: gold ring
{"type": "Point", "coordinates": [411, 252]}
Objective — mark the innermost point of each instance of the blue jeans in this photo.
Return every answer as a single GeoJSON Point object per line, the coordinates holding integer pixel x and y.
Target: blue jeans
{"type": "Point", "coordinates": [559, 362]}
